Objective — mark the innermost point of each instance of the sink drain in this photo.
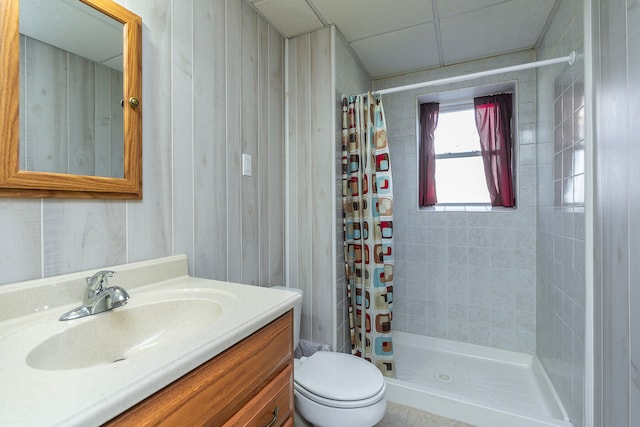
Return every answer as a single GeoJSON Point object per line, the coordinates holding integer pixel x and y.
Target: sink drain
{"type": "Point", "coordinates": [119, 360]}
{"type": "Point", "coordinates": [444, 377]}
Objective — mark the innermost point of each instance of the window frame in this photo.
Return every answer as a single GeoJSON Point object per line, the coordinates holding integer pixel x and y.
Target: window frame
{"type": "Point", "coordinates": [458, 99]}
{"type": "Point", "coordinates": [452, 108]}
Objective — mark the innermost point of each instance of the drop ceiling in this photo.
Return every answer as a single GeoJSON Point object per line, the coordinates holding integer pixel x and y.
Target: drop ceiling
{"type": "Point", "coordinates": [398, 36]}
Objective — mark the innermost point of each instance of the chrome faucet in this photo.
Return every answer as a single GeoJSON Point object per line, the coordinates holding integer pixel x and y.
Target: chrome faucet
{"type": "Point", "coordinates": [98, 297]}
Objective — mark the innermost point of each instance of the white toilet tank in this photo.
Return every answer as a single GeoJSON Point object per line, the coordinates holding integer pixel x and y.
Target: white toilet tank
{"type": "Point", "coordinates": [296, 314]}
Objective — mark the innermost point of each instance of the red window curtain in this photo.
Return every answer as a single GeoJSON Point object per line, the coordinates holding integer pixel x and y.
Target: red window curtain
{"type": "Point", "coordinates": [493, 120]}
{"type": "Point", "coordinates": [427, 165]}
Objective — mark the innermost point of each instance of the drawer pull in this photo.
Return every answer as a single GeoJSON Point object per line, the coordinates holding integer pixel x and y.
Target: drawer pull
{"type": "Point", "coordinates": [274, 419]}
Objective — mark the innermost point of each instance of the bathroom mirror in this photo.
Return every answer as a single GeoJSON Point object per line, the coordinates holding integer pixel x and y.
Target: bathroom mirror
{"type": "Point", "coordinates": [70, 115]}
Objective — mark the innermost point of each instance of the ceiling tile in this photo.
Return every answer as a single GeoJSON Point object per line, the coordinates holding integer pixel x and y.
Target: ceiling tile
{"type": "Point", "coordinates": [358, 19]}
{"type": "Point", "coordinates": [399, 52]}
{"type": "Point", "coordinates": [507, 27]}
{"type": "Point", "coordinates": [291, 17]}
{"type": "Point", "coordinates": [457, 7]}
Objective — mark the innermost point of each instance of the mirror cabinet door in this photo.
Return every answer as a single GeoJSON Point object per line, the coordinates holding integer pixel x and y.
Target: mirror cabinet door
{"type": "Point", "coordinates": [76, 85]}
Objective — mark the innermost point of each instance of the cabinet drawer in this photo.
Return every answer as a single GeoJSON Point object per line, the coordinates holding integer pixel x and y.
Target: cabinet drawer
{"type": "Point", "coordinates": [216, 390]}
{"type": "Point", "coordinates": [261, 410]}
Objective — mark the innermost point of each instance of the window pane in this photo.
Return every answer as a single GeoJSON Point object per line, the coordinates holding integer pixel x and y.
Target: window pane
{"type": "Point", "coordinates": [461, 180]}
{"type": "Point", "coordinates": [456, 132]}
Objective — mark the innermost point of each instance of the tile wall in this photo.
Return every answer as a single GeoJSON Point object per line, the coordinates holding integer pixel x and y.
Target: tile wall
{"type": "Point", "coordinates": [561, 195]}
{"type": "Point", "coordinates": [465, 276]}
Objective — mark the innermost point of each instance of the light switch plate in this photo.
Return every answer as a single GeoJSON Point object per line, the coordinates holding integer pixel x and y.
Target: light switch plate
{"type": "Point", "coordinates": [246, 164]}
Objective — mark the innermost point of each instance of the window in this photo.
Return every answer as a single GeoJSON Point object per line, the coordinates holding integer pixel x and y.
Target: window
{"type": "Point", "coordinates": [459, 168]}
{"type": "Point", "coordinates": [466, 151]}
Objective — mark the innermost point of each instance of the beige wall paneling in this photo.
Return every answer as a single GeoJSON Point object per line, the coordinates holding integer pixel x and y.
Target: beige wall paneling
{"type": "Point", "coordinates": [116, 118]}
{"type": "Point", "coordinates": [633, 76]}
{"type": "Point", "coordinates": [76, 235]}
{"type": "Point", "coordinates": [234, 140]}
{"type": "Point", "coordinates": [46, 78]}
{"type": "Point", "coordinates": [149, 220]}
{"type": "Point", "coordinates": [302, 277]}
{"type": "Point", "coordinates": [350, 79]}
{"type": "Point", "coordinates": [82, 234]}
{"type": "Point", "coordinates": [291, 167]}
{"type": "Point", "coordinates": [82, 106]}
{"type": "Point", "coordinates": [103, 126]}
{"type": "Point", "coordinates": [192, 143]}
{"type": "Point", "coordinates": [250, 266]}
{"type": "Point", "coordinates": [262, 167]}
{"type": "Point", "coordinates": [322, 179]}
{"type": "Point", "coordinates": [314, 188]}
{"type": "Point", "coordinates": [219, 218]}
{"type": "Point", "coordinates": [275, 158]}
{"type": "Point", "coordinates": [311, 182]}
{"type": "Point", "coordinates": [20, 234]}
{"type": "Point", "coordinates": [270, 161]}
{"type": "Point", "coordinates": [617, 237]}
{"type": "Point", "coordinates": [22, 124]}
{"type": "Point", "coordinates": [210, 140]}
{"type": "Point", "coordinates": [183, 118]}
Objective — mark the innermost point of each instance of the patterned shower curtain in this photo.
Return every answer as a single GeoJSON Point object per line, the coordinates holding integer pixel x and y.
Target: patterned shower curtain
{"type": "Point", "coordinates": [367, 197]}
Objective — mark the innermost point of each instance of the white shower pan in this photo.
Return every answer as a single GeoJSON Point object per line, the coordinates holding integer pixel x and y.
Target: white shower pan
{"type": "Point", "coordinates": [483, 386]}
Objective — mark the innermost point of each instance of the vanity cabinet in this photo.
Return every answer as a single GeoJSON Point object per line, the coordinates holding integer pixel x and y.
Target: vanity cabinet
{"type": "Point", "coordinates": [246, 385]}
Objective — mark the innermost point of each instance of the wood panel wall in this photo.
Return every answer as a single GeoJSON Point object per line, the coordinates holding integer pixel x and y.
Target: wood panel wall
{"type": "Point", "coordinates": [311, 185]}
{"type": "Point", "coordinates": [616, 206]}
{"type": "Point", "coordinates": [213, 88]}
{"type": "Point", "coordinates": [320, 67]}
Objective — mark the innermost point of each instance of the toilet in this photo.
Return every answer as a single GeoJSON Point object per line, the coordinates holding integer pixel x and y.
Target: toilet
{"type": "Point", "coordinates": [336, 389]}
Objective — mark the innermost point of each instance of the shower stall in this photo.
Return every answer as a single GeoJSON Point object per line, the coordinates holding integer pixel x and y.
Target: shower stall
{"type": "Point", "coordinates": [489, 304]}
{"type": "Point", "coordinates": [479, 385]}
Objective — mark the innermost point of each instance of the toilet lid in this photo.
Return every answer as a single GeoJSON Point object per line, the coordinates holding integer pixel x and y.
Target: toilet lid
{"type": "Point", "coordinates": [339, 376]}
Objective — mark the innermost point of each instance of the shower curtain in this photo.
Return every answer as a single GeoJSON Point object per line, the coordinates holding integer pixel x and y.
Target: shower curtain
{"type": "Point", "coordinates": [367, 197]}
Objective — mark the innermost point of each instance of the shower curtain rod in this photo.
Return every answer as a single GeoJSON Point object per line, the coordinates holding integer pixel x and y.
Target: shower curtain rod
{"type": "Point", "coordinates": [571, 59]}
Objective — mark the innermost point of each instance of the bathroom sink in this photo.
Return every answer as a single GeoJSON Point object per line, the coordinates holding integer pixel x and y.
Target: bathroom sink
{"type": "Point", "coordinates": [107, 362]}
{"type": "Point", "coordinates": [124, 333]}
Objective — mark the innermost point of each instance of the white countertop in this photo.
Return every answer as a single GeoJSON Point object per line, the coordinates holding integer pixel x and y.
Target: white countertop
{"type": "Point", "coordinates": [93, 395]}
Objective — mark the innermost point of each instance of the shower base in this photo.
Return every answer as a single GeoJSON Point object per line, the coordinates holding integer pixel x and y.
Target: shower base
{"type": "Point", "coordinates": [483, 386]}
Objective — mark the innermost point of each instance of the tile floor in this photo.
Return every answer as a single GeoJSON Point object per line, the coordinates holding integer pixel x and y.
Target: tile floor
{"type": "Point", "coordinates": [404, 416]}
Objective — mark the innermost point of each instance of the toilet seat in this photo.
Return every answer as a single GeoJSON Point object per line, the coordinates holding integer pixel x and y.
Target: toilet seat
{"type": "Point", "coordinates": [340, 404]}
{"type": "Point", "coordinates": [339, 380]}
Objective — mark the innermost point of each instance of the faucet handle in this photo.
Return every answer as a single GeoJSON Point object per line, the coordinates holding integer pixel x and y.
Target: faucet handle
{"type": "Point", "coordinates": [98, 281]}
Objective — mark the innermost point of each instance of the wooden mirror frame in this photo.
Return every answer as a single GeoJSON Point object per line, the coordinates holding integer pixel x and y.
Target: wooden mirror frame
{"type": "Point", "coordinates": [20, 183]}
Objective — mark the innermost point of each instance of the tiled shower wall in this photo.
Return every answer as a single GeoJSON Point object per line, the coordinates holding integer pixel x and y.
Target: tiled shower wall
{"type": "Point", "coordinates": [465, 276]}
{"type": "Point", "coordinates": [561, 226]}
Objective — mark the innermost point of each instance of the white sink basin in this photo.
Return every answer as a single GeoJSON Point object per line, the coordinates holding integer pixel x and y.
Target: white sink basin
{"type": "Point", "coordinates": [86, 371]}
{"type": "Point", "coordinates": [127, 332]}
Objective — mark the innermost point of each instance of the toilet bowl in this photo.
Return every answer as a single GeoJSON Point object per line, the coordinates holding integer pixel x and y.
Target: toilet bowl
{"type": "Point", "coordinates": [336, 389]}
